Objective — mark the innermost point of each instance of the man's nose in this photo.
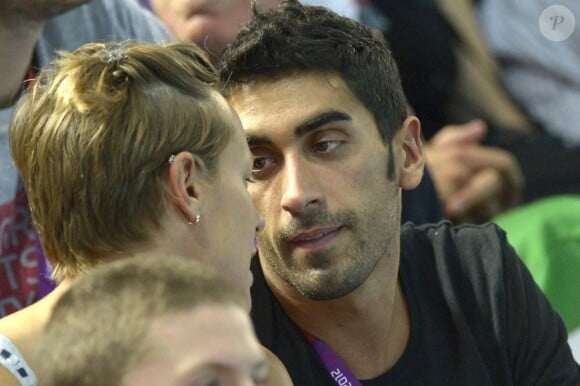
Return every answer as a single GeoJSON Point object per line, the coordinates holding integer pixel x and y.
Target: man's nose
{"type": "Point", "coordinates": [301, 186]}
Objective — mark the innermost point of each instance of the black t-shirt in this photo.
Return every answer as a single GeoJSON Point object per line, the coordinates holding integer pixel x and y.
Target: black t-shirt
{"type": "Point", "coordinates": [477, 317]}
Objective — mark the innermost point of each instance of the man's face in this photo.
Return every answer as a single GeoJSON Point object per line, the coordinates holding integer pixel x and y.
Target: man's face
{"type": "Point", "coordinates": [209, 345]}
{"type": "Point", "coordinates": [37, 10]}
{"type": "Point", "coordinates": [320, 171]}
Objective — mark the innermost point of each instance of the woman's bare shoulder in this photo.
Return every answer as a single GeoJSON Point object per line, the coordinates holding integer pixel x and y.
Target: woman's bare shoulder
{"type": "Point", "coordinates": [17, 342]}
{"type": "Point", "coordinates": [23, 328]}
{"type": "Point", "coordinates": [278, 375]}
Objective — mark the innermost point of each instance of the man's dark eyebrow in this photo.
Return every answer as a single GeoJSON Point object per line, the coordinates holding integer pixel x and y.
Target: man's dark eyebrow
{"type": "Point", "coordinates": [304, 128]}
{"type": "Point", "coordinates": [320, 120]}
{"type": "Point", "coordinates": [257, 140]}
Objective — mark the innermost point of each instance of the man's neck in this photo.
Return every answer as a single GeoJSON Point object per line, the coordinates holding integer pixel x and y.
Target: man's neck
{"type": "Point", "coordinates": [368, 329]}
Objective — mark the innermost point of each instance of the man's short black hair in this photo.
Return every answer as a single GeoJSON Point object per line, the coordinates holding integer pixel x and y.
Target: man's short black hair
{"type": "Point", "coordinates": [294, 39]}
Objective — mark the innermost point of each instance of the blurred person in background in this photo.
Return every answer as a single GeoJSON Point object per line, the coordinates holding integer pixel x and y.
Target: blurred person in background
{"type": "Point", "coordinates": [151, 321]}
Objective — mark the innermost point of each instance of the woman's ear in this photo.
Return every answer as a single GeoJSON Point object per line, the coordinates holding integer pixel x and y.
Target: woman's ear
{"type": "Point", "coordinates": [185, 183]}
{"type": "Point", "coordinates": [413, 154]}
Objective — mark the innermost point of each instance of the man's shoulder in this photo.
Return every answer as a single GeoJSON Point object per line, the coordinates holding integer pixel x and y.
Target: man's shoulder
{"type": "Point", "coordinates": [459, 236]}
{"type": "Point", "coordinates": [465, 252]}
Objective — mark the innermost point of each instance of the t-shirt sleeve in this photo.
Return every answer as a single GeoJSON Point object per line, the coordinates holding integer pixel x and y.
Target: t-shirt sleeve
{"type": "Point", "coordinates": [140, 24]}
{"type": "Point", "coordinates": [538, 350]}
{"type": "Point", "coordinates": [7, 171]}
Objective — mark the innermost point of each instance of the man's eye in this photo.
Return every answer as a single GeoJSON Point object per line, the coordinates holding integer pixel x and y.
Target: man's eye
{"type": "Point", "coordinates": [260, 163]}
{"type": "Point", "coordinates": [326, 146]}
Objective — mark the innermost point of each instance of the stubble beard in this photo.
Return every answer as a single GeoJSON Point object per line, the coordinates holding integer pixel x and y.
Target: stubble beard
{"type": "Point", "coordinates": [330, 276]}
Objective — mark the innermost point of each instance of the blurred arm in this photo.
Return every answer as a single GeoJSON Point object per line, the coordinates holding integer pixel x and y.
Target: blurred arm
{"type": "Point", "coordinates": [18, 37]}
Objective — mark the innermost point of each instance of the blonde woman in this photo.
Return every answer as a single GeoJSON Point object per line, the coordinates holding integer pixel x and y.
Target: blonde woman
{"type": "Point", "coordinates": [128, 150]}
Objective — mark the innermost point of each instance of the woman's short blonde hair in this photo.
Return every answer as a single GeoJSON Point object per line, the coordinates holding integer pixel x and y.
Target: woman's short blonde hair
{"type": "Point", "coordinates": [92, 138]}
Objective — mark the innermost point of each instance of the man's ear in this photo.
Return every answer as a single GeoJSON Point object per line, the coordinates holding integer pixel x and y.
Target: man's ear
{"type": "Point", "coordinates": [413, 161]}
{"type": "Point", "coordinates": [185, 182]}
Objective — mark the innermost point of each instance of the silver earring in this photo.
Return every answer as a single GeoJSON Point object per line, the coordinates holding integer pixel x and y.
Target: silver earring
{"type": "Point", "coordinates": [195, 220]}
{"type": "Point", "coordinates": [171, 159]}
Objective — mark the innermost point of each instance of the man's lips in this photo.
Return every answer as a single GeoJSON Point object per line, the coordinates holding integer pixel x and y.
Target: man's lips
{"type": "Point", "coordinates": [313, 235]}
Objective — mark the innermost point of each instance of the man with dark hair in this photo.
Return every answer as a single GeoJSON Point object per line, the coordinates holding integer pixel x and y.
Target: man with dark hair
{"type": "Point", "coordinates": [342, 293]}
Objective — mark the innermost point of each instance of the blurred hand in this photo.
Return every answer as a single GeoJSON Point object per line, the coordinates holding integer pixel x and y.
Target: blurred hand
{"type": "Point", "coordinates": [473, 181]}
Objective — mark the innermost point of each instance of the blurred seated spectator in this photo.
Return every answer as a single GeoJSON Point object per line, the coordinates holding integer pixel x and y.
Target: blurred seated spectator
{"type": "Point", "coordinates": [539, 58]}
{"type": "Point", "coordinates": [212, 24]}
{"type": "Point", "coordinates": [150, 321]}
